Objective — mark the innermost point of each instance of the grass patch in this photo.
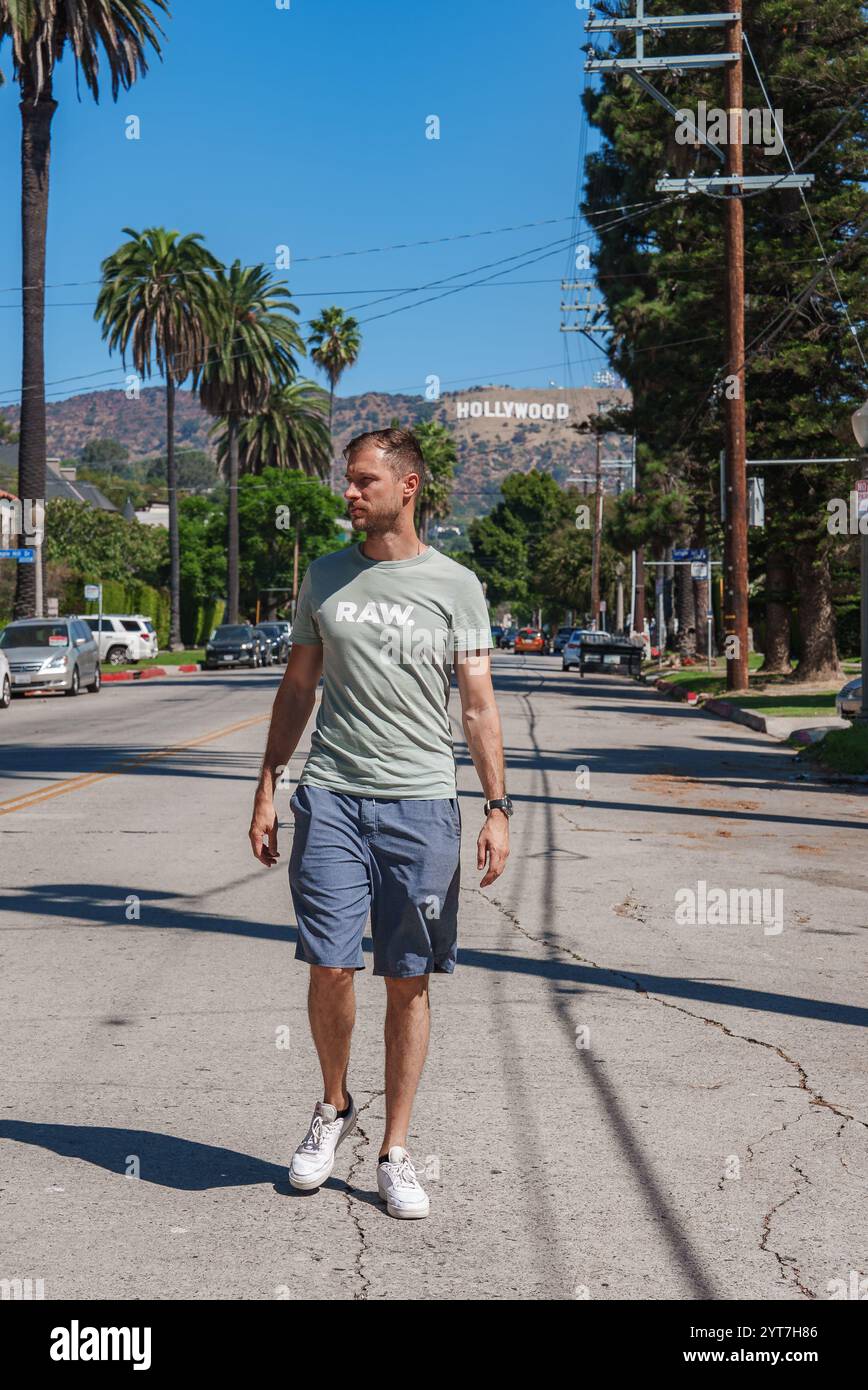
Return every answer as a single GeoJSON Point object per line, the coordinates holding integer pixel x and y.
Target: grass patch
{"type": "Point", "coordinates": [842, 750]}
{"type": "Point", "coordinates": [161, 659]}
{"type": "Point", "coordinates": [787, 704]}
{"type": "Point", "coordinates": [791, 705]}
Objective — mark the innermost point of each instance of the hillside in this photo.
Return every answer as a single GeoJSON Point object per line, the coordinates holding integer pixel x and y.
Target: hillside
{"type": "Point", "coordinates": [498, 429]}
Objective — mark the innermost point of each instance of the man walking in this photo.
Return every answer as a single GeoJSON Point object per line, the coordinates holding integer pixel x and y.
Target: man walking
{"type": "Point", "coordinates": [377, 822]}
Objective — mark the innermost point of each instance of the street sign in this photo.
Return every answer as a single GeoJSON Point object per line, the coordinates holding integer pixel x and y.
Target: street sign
{"type": "Point", "coordinates": [698, 570]}
{"type": "Point", "coordinates": [602, 605]}
{"type": "Point", "coordinates": [690, 554]}
{"type": "Point", "coordinates": [861, 498]}
{"type": "Point", "coordinates": [92, 590]}
{"type": "Point", "coordinates": [24, 557]}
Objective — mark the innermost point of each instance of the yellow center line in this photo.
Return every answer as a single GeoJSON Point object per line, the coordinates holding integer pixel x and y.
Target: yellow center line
{"type": "Point", "coordinates": [72, 784]}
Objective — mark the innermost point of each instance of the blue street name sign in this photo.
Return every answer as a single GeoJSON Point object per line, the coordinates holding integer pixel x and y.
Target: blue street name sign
{"type": "Point", "coordinates": [690, 554]}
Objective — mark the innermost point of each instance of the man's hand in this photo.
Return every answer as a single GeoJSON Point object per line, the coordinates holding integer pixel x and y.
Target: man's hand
{"type": "Point", "coordinates": [263, 827]}
{"type": "Point", "coordinates": [492, 847]}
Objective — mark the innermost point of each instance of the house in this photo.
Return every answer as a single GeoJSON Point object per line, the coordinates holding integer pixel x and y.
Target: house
{"type": "Point", "coordinates": [60, 481]}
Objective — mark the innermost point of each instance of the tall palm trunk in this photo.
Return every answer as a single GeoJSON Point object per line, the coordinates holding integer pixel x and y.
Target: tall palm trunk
{"type": "Point", "coordinates": [639, 596]}
{"type": "Point", "coordinates": [35, 154]}
{"type": "Point", "coordinates": [685, 607]}
{"type": "Point", "coordinates": [232, 558]}
{"type": "Point", "coordinates": [174, 539]}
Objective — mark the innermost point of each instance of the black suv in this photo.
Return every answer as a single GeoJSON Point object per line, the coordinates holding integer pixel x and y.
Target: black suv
{"type": "Point", "coordinates": [233, 644]}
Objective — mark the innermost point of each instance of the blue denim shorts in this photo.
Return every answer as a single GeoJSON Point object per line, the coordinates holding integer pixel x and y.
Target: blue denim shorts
{"type": "Point", "coordinates": [397, 860]}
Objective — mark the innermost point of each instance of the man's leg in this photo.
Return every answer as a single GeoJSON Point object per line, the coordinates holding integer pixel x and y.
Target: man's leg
{"type": "Point", "coordinates": [406, 1033]}
{"type": "Point", "coordinates": [331, 1008]}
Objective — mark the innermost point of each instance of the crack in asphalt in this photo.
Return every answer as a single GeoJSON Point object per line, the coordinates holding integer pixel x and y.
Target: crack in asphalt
{"type": "Point", "coordinates": [360, 1137]}
{"type": "Point", "coordinates": [785, 1263]}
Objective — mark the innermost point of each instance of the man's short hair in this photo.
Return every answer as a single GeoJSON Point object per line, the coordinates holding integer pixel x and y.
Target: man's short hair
{"type": "Point", "coordinates": [399, 447]}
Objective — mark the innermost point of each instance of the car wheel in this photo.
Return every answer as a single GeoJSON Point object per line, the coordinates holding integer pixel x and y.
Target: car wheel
{"type": "Point", "coordinates": [116, 656]}
{"type": "Point", "coordinates": [96, 684]}
{"type": "Point", "coordinates": [75, 684]}
{"type": "Point", "coordinates": [6, 693]}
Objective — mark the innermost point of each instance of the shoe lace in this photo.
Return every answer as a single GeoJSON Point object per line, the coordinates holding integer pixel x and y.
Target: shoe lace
{"type": "Point", "coordinates": [404, 1172]}
{"type": "Point", "coordinates": [318, 1131]}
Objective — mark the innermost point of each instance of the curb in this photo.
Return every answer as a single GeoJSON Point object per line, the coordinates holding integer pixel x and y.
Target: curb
{"type": "Point", "coordinates": [725, 709]}
{"type": "Point", "coordinates": [148, 673]}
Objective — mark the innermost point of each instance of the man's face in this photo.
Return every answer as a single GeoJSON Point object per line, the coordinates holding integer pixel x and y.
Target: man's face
{"type": "Point", "coordinates": [374, 495]}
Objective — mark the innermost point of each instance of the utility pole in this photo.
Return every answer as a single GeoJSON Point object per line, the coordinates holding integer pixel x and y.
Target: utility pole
{"type": "Point", "coordinates": [735, 617]}
{"type": "Point", "coordinates": [733, 183]}
{"type": "Point", "coordinates": [598, 533]}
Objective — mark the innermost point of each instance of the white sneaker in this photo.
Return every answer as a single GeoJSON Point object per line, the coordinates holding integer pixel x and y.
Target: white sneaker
{"type": "Point", "coordinates": [314, 1158]}
{"type": "Point", "coordinates": [399, 1187]}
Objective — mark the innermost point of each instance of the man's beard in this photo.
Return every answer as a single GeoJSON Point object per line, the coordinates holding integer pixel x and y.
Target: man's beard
{"type": "Point", "coordinates": [375, 523]}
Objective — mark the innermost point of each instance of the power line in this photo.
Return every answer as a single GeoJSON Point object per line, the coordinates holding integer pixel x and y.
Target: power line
{"type": "Point", "coordinates": [367, 251]}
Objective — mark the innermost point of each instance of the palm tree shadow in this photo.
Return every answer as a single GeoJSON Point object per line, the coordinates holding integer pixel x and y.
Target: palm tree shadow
{"type": "Point", "coordinates": [162, 1159]}
{"type": "Point", "coordinates": [167, 1161]}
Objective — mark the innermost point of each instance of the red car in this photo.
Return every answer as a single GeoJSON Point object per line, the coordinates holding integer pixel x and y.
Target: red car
{"type": "Point", "coordinates": [530, 639]}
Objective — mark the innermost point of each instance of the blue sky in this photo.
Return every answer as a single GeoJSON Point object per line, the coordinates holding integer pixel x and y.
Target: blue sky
{"type": "Point", "coordinates": [306, 127]}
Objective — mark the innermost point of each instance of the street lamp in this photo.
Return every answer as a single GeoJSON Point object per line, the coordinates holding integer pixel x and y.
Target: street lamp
{"type": "Point", "coordinates": [859, 421]}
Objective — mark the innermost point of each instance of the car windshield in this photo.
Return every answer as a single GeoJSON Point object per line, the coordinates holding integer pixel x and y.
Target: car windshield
{"type": "Point", "coordinates": [564, 631]}
{"type": "Point", "coordinates": [35, 635]}
{"type": "Point", "coordinates": [232, 630]}
{"type": "Point", "coordinates": [270, 629]}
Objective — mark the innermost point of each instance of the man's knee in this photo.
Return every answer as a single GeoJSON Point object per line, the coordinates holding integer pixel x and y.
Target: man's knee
{"type": "Point", "coordinates": [407, 991]}
{"type": "Point", "coordinates": [327, 979]}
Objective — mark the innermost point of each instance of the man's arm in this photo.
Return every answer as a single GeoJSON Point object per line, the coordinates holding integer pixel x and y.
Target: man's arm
{"type": "Point", "coordinates": [481, 723]}
{"type": "Point", "coordinates": [290, 712]}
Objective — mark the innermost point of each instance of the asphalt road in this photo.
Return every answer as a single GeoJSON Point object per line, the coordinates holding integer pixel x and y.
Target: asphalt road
{"type": "Point", "coordinates": [616, 1105]}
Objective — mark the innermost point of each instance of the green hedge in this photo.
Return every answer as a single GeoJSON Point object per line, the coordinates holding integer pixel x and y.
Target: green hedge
{"type": "Point", "coordinates": [120, 596]}
{"type": "Point", "coordinates": [199, 619]}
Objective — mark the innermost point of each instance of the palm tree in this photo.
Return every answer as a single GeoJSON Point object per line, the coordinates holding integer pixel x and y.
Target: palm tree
{"type": "Point", "coordinates": [334, 344]}
{"type": "Point", "coordinates": [253, 341]}
{"type": "Point", "coordinates": [152, 304]}
{"type": "Point", "coordinates": [290, 432]}
{"type": "Point", "coordinates": [119, 33]}
{"type": "Point", "coordinates": [439, 453]}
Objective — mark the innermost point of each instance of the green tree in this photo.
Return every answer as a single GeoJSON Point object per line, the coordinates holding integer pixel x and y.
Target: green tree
{"type": "Point", "coordinates": [104, 452]}
{"type": "Point", "coordinates": [438, 450]}
{"type": "Point", "coordinates": [509, 545]}
{"type": "Point", "coordinates": [289, 432]}
{"type": "Point", "coordinates": [254, 341]}
{"type": "Point", "coordinates": [118, 34]}
{"type": "Point", "coordinates": [197, 470]}
{"type": "Point", "coordinates": [662, 274]}
{"type": "Point", "coordinates": [103, 544]}
{"type": "Point", "coordinates": [274, 508]}
{"type": "Point", "coordinates": [152, 304]}
{"type": "Point", "coordinates": [334, 343]}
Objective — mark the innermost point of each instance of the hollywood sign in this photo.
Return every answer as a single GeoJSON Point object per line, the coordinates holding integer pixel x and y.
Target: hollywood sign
{"type": "Point", "coordinates": [511, 410]}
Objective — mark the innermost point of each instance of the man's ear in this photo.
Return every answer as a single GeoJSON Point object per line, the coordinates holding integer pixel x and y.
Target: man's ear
{"type": "Point", "coordinates": [412, 485]}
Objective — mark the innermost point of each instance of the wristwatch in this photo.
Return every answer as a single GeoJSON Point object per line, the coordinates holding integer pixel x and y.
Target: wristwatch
{"type": "Point", "coordinates": [501, 803]}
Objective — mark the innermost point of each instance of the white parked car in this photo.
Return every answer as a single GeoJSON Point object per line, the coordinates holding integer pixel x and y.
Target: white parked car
{"type": "Point", "coordinates": [124, 637]}
{"type": "Point", "coordinates": [571, 651]}
{"type": "Point", "coordinates": [5, 682]}
{"type": "Point", "coordinates": [848, 701]}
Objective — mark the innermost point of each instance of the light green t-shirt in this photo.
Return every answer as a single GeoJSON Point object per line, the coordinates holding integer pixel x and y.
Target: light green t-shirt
{"type": "Point", "coordinates": [388, 630]}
